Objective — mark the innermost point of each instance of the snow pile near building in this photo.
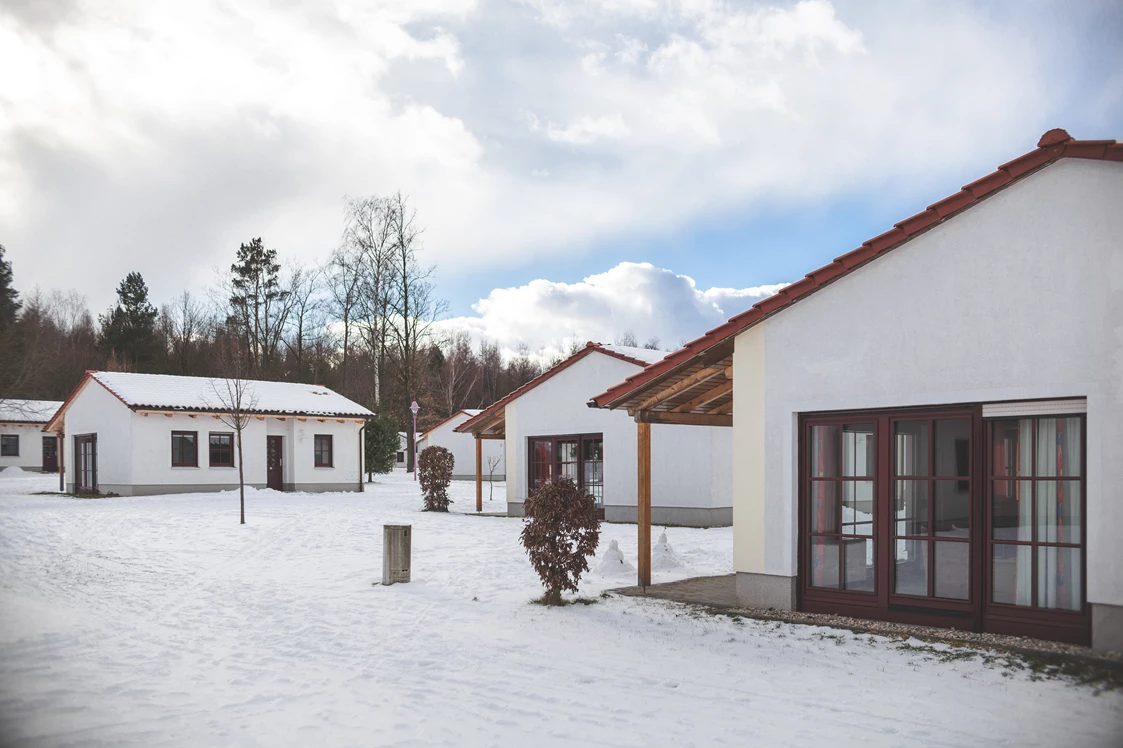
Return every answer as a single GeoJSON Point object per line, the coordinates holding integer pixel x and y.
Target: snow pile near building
{"type": "Point", "coordinates": [663, 556]}
{"type": "Point", "coordinates": [11, 472]}
{"type": "Point", "coordinates": [613, 562]}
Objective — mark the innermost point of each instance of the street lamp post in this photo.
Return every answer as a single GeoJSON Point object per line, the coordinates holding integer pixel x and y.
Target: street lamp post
{"type": "Point", "coordinates": [414, 407]}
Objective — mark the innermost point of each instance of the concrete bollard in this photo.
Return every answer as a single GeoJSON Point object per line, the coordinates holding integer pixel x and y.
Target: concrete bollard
{"type": "Point", "coordinates": [395, 553]}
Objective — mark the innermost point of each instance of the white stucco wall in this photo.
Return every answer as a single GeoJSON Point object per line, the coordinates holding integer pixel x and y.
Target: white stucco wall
{"type": "Point", "coordinates": [30, 445]}
{"type": "Point", "coordinates": [463, 448]}
{"type": "Point", "coordinates": [1020, 297]}
{"type": "Point", "coordinates": [691, 465]}
{"type": "Point", "coordinates": [134, 450]}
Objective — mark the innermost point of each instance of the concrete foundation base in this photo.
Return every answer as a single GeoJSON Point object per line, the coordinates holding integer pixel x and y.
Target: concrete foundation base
{"type": "Point", "coordinates": [667, 516]}
{"type": "Point", "coordinates": [1107, 627]}
{"type": "Point", "coordinates": [159, 490]}
{"type": "Point", "coordinates": [499, 477]}
{"type": "Point", "coordinates": [765, 591]}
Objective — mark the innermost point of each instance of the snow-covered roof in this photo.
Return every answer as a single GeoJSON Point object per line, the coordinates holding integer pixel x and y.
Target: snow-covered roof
{"type": "Point", "coordinates": [28, 411]}
{"type": "Point", "coordinates": [167, 392]}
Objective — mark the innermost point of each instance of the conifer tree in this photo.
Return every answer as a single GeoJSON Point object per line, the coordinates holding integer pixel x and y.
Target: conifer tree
{"type": "Point", "coordinates": [128, 330]}
{"type": "Point", "coordinates": [258, 305]}
{"type": "Point", "coordinates": [9, 297]}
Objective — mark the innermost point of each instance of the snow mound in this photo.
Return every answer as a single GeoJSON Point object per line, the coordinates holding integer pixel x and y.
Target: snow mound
{"type": "Point", "coordinates": [614, 563]}
{"type": "Point", "coordinates": [11, 472]}
{"type": "Point", "coordinates": [663, 556]}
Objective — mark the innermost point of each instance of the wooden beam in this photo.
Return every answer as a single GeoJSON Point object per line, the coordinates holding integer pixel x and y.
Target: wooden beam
{"type": "Point", "coordinates": [643, 502]}
{"type": "Point", "coordinates": [723, 410]}
{"type": "Point", "coordinates": [490, 436]}
{"type": "Point", "coordinates": [479, 475]}
{"type": "Point", "coordinates": [696, 378]}
{"type": "Point", "coordinates": [683, 419]}
{"type": "Point", "coordinates": [705, 398]}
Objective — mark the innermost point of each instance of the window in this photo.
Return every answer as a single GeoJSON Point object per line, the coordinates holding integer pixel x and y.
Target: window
{"type": "Point", "coordinates": [9, 445]}
{"type": "Point", "coordinates": [185, 450]}
{"type": "Point", "coordinates": [323, 450]}
{"type": "Point", "coordinates": [579, 458]}
{"type": "Point", "coordinates": [1036, 512]}
{"type": "Point", "coordinates": [222, 450]}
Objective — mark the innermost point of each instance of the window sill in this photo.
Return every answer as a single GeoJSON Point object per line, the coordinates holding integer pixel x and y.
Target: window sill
{"type": "Point", "coordinates": [324, 467]}
{"type": "Point", "coordinates": [185, 467]}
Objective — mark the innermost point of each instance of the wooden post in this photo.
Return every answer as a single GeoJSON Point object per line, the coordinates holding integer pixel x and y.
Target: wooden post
{"type": "Point", "coordinates": [61, 471]}
{"type": "Point", "coordinates": [643, 502]}
{"type": "Point", "coordinates": [479, 474]}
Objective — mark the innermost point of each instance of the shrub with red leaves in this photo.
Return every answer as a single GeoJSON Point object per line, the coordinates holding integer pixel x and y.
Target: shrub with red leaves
{"type": "Point", "coordinates": [560, 533]}
{"type": "Point", "coordinates": [435, 473]}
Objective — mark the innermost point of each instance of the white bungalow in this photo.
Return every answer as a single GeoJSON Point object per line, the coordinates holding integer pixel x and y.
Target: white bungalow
{"type": "Point", "coordinates": [929, 429]}
{"type": "Point", "coordinates": [549, 430]}
{"type": "Point", "coordinates": [140, 434]}
{"type": "Point", "coordinates": [22, 441]}
{"type": "Point", "coordinates": [463, 448]}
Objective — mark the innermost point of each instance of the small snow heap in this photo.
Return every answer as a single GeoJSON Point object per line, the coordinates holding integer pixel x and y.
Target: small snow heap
{"type": "Point", "coordinates": [613, 563]}
{"type": "Point", "coordinates": [663, 556]}
{"type": "Point", "coordinates": [11, 472]}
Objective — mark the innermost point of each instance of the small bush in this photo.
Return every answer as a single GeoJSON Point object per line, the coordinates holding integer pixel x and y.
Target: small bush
{"type": "Point", "coordinates": [560, 533]}
{"type": "Point", "coordinates": [381, 437]}
{"type": "Point", "coordinates": [435, 473]}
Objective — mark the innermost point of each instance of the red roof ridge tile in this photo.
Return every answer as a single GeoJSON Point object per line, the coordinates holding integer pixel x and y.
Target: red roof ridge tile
{"type": "Point", "coordinates": [1052, 146]}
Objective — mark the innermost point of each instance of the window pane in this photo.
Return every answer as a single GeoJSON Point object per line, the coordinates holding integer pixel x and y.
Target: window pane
{"type": "Point", "coordinates": [594, 449]}
{"type": "Point", "coordinates": [1012, 447]}
{"type": "Point", "coordinates": [567, 451]}
{"type": "Point", "coordinates": [953, 454]}
{"type": "Point", "coordinates": [857, 560]}
{"type": "Point", "coordinates": [911, 576]}
{"type": "Point", "coordinates": [1012, 574]}
{"type": "Point", "coordinates": [9, 445]}
{"type": "Point", "coordinates": [1058, 446]}
{"type": "Point", "coordinates": [1011, 510]}
{"type": "Point", "coordinates": [568, 470]}
{"type": "Point", "coordinates": [857, 507]}
{"type": "Point", "coordinates": [953, 509]}
{"type": "Point", "coordinates": [824, 451]}
{"type": "Point", "coordinates": [824, 562]}
{"type": "Point", "coordinates": [824, 506]}
{"type": "Point", "coordinates": [911, 447]}
{"type": "Point", "coordinates": [911, 505]}
{"type": "Point", "coordinates": [1058, 511]}
{"type": "Point", "coordinates": [953, 570]}
{"type": "Point", "coordinates": [1058, 578]}
{"type": "Point", "coordinates": [857, 449]}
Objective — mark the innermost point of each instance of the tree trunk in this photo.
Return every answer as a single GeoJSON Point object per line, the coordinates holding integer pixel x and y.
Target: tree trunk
{"type": "Point", "coordinates": [241, 480]}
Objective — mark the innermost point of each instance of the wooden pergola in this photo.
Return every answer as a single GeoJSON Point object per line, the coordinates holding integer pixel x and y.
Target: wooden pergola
{"type": "Point", "coordinates": [697, 390]}
{"type": "Point", "coordinates": [490, 424]}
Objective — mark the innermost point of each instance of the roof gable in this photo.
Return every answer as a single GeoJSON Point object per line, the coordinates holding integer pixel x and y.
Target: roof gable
{"type": "Point", "coordinates": [1054, 145]}
{"type": "Point", "coordinates": [622, 353]}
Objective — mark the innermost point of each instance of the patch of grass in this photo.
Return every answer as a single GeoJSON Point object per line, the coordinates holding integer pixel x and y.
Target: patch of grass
{"type": "Point", "coordinates": [564, 601]}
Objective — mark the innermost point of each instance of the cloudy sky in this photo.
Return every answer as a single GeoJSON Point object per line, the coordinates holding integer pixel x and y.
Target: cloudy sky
{"type": "Point", "coordinates": [582, 167]}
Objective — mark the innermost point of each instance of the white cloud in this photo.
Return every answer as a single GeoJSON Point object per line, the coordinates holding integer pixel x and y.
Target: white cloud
{"type": "Point", "coordinates": [640, 298]}
{"type": "Point", "coordinates": [168, 128]}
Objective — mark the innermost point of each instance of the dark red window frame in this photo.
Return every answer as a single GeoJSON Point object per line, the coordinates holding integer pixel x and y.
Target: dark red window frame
{"type": "Point", "coordinates": [180, 456]}
{"type": "Point", "coordinates": [977, 612]}
{"type": "Point", "coordinates": [323, 449]}
{"type": "Point", "coordinates": [219, 448]}
{"type": "Point", "coordinates": [539, 458]}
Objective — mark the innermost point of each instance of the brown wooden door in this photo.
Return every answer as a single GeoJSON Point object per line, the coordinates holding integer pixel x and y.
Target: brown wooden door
{"type": "Point", "coordinates": [50, 454]}
{"type": "Point", "coordinates": [85, 463]}
{"type": "Point", "coordinates": [274, 463]}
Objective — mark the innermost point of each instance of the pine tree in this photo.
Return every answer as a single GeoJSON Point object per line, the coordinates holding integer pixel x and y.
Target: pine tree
{"type": "Point", "coordinates": [9, 297]}
{"type": "Point", "coordinates": [128, 330]}
{"type": "Point", "coordinates": [258, 304]}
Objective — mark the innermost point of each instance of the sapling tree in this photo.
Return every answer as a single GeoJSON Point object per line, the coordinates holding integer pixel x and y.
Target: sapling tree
{"type": "Point", "coordinates": [492, 464]}
{"type": "Point", "coordinates": [235, 403]}
{"type": "Point", "coordinates": [560, 533]}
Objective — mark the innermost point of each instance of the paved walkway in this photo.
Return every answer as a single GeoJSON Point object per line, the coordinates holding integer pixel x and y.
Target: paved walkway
{"type": "Point", "coordinates": [715, 592]}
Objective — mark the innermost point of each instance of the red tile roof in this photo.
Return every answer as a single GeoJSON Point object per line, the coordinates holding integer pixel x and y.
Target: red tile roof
{"type": "Point", "coordinates": [1053, 146]}
{"type": "Point", "coordinates": [589, 348]}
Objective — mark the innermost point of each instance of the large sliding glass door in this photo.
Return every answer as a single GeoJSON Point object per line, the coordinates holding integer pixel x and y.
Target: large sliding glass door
{"type": "Point", "coordinates": [942, 518]}
{"type": "Point", "coordinates": [578, 457]}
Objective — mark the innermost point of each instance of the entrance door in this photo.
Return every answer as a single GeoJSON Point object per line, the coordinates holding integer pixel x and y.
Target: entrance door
{"type": "Point", "coordinates": [274, 463]}
{"type": "Point", "coordinates": [85, 464]}
{"type": "Point", "coordinates": [50, 454]}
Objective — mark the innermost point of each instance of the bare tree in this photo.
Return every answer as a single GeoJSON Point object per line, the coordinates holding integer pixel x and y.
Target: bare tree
{"type": "Point", "coordinates": [652, 344]}
{"type": "Point", "coordinates": [305, 316]}
{"type": "Point", "coordinates": [627, 338]}
{"type": "Point", "coordinates": [458, 374]}
{"type": "Point", "coordinates": [368, 245]}
{"type": "Point", "coordinates": [236, 402]}
{"type": "Point", "coordinates": [492, 464]}
{"type": "Point", "coordinates": [344, 278]}
{"type": "Point", "coordinates": [413, 305]}
{"type": "Point", "coordinates": [186, 324]}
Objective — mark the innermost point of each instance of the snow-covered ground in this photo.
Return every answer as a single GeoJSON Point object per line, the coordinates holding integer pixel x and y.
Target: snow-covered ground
{"type": "Point", "coordinates": [160, 621]}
